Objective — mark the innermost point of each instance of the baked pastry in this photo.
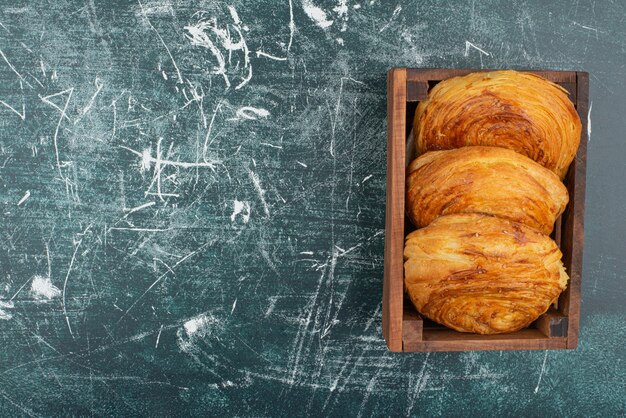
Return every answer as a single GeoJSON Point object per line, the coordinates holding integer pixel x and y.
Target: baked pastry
{"type": "Point", "coordinates": [489, 180]}
{"type": "Point", "coordinates": [483, 274]}
{"type": "Point", "coordinates": [508, 109]}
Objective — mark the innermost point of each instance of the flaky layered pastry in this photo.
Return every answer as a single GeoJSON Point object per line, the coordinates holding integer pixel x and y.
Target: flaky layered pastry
{"type": "Point", "coordinates": [483, 274]}
{"type": "Point", "coordinates": [489, 180]}
{"type": "Point", "coordinates": [508, 109]}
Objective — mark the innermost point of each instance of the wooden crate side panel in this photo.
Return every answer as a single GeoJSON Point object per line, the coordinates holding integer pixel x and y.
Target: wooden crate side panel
{"type": "Point", "coordinates": [426, 74]}
{"type": "Point", "coordinates": [575, 223]}
{"type": "Point", "coordinates": [412, 329]}
{"type": "Point", "coordinates": [448, 340]}
{"type": "Point", "coordinates": [394, 216]}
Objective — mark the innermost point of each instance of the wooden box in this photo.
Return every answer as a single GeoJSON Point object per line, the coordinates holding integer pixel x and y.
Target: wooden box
{"type": "Point", "coordinates": [403, 328]}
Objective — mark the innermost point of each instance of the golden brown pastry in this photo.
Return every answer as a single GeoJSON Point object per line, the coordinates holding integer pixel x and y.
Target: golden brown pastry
{"type": "Point", "coordinates": [479, 273]}
{"type": "Point", "coordinates": [508, 109]}
{"type": "Point", "coordinates": [489, 180]}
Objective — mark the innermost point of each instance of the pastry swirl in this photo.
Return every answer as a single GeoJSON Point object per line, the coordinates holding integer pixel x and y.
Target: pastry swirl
{"type": "Point", "coordinates": [508, 109]}
{"type": "Point", "coordinates": [482, 274]}
{"type": "Point", "coordinates": [489, 180]}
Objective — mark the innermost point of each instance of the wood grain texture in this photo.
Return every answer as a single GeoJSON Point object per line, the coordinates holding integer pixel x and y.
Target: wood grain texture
{"type": "Point", "coordinates": [394, 219]}
{"type": "Point", "coordinates": [548, 331]}
{"type": "Point", "coordinates": [448, 340]}
{"type": "Point", "coordinates": [574, 225]}
{"type": "Point", "coordinates": [553, 324]}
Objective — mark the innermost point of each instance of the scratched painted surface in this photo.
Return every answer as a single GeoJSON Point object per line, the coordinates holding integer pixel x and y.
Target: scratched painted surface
{"type": "Point", "coordinates": [193, 208]}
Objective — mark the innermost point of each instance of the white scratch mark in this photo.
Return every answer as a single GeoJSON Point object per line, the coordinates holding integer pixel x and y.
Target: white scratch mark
{"type": "Point", "coordinates": [180, 78]}
{"type": "Point", "coordinates": [48, 258]}
{"type": "Point", "coordinates": [306, 252]}
{"type": "Point", "coordinates": [468, 44]}
{"type": "Point", "coordinates": [257, 186]}
{"type": "Point", "coordinates": [155, 259]}
{"type": "Point", "coordinates": [272, 306]}
{"type": "Point", "coordinates": [147, 158]}
{"type": "Point", "coordinates": [302, 164]}
{"type": "Point", "coordinates": [234, 15]}
{"type": "Point", "coordinates": [316, 14]}
{"type": "Point", "coordinates": [146, 161]}
{"type": "Point", "coordinates": [370, 321]}
{"type": "Point", "coordinates": [366, 178]}
{"type": "Point", "coordinates": [395, 13]}
{"type": "Point", "coordinates": [160, 194]}
{"type": "Point", "coordinates": [266, 144]}
{"type": "Point", "coordinates": [233, 308]}
{"type": "Point", "coordinates": [269, 261]}
{"type": "Point", "coordinates": [342, 12]}
{"type": "Point", "coordinates": [114, 106]}
{"type": "Point", "coordinates": [197, 34]}
{"type": "Point", "coordinates": [67, 276]}
{"type": "Point", "coordinates": [42, 287]}
{"type": "Point", "coordinates": [208, 134]}
{"type": "Point", "coordinates": [247, 79]}
{"type": "Point", "coordinates": [543, 369]}
{"type": "Point", "coordinates": [368, 391]}
{"type": "Point", "coordinates": [11, 108]}
{"type": "Point", "coordinates": [304, 327]}
{"type": "Point", "coordinates": [589, 122]}
{"type": "Point", "coordinates": [333, 121]}
{"type": "Point", "coordinates": [158, 337]}
{"type": "Point", "coordinates": [19, 290]}
{"type": "Point", "coordinates": [89, 105]}
{"type": "Point", "coordinates": [292, 26]}
{"type": "Point", "coordinates": [36, 80]}
{"type": "Point", "coordinates": [589, 28]}
{"type": "Point", "coordinates": [135, 209]}
{"type": "Point", "coordinates": [63, 115]}
{"type": "Point", "coordinates": [260, 53]}
{"type": "Point", "coordinates": [199, 325]}
{"type": "Point", "coordinates": [242, 208]}
{"type": "Point", "coordinates": [139, 229]}
{"type": "Point", "coordinates": [23, 199]}
{"type": "Point", "coordinates": [419, 386]}
{"type": "Point", "coordinates": [251, 113]}
{"type": "Point", "coordinates": [6, 305]}
{"type": "Point", "coordinates": [158, 9]}
{"type": "Point", "coordinates": [14, 70]}
{"type": "Point", "coordinates": [196, 251]}
{"type": "Point", "coordinates": [46, 100]}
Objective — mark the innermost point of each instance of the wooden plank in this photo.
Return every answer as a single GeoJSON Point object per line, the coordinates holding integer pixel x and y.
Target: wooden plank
{"type": "Point", "coordinates": [571, 89]}
{"type": "Point", "coordinates": [412, 329]}
{"type": "Point", "coordinates": [449, 340]}
{"type": "Point", "coordinates": [574, 225]}
{"type": "Point", "coordinates": [427, 74]}
{"type": "Point", "coordinates": [416, 90]}
{"type": "Point", "coordinates": [394, 216]}
{"type": "Point", "coordinates": [557, 231]}
{"type": "Point", "coordinates": [553, 324]}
